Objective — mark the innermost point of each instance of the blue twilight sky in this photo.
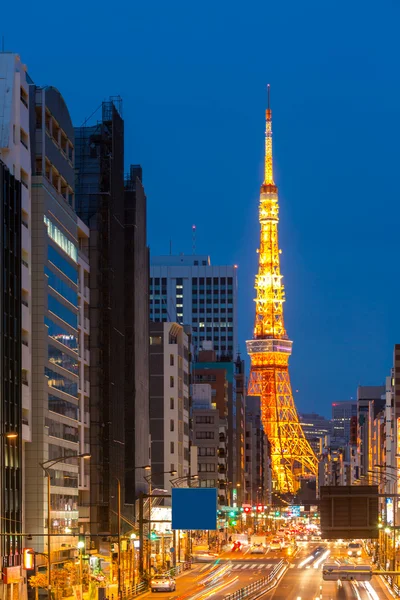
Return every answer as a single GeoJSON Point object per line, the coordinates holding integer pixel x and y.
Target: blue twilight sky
{"type": "Point", "coordinates": [193, 79]}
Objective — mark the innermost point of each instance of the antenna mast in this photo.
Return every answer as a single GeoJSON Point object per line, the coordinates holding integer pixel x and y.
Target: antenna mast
{"type": "Point", "coordinates": [193, 240]}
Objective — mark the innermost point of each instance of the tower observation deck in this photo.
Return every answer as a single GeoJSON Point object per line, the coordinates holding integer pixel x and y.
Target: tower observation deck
{"type": "Point", "coordinates": [291, 455]}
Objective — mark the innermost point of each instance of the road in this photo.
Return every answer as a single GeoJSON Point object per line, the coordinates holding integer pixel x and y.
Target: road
{"type": "Point", "coordinates": [303, 580]}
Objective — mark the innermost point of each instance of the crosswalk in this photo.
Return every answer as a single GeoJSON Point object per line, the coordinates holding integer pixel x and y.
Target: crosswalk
{"type": "Point", "coordinates": [253, 566]}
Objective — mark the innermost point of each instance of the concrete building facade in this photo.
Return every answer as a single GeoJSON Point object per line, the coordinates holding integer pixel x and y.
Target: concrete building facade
{"type": "Point", "coordinates": [114, 210]}
{"type": "Point", "coordinates": [16, 336]}
{"type": "Point", "coordinates": [60, 389]}
{"type": "Point", "coordinates": [169, 403]}
{"type": "Point", "coordinates": [210, 438]}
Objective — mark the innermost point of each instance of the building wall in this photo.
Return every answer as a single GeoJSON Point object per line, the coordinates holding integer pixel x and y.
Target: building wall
{"type": "Point", "coordinates": [169, 402]}
{"type": "Point", "coordinates": [137, 426]}
{"type": "Point", "coordinates": [190, 290]}
{"type": "Point", "coordinates": [100, 205]}
{"type": "Point", "coordinates": [57, 390]}
{"type": "Point", "coordinates": [342, 412]}
{"type": "Point", "coordinates": [10, 369]}
{"type": "Point", "coordinates": [16, 180]}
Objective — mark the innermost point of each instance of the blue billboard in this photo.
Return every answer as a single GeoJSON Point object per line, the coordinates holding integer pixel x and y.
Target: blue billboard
{"type": "Point", "coordinates": [194, 508]}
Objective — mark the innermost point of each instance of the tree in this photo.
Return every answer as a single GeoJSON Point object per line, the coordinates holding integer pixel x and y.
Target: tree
{"type": "Point", "coordinates": [38, 581]}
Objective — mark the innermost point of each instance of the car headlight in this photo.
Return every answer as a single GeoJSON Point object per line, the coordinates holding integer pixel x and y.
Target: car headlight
{"type": "Point", "coordinates": [349, 553]}
{"type": "Point", "coordinates": [359, 553]}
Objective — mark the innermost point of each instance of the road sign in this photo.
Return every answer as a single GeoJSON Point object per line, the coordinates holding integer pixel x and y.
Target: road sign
{"type": "Point", "coordinates": [346, 572]}
{"type": "Point", "coordinates": [349, 512]}
{"type": "Point", "coordinates": [194, 508]}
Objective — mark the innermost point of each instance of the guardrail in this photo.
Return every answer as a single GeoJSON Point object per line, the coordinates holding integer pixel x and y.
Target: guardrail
{"type": "Point", "coordinates": [257, 585]}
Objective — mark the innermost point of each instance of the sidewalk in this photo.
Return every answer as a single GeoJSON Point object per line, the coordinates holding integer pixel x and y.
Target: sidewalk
{"type": "Point", "coordinates": [112, 589]}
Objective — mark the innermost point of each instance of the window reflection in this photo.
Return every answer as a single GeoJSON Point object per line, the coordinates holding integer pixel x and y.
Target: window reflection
{"type": "Point", "coordinates": [61, 335]}
{"type": "Point", "coordinates": [62, 311]}
{"type": "Point", "coordinates": [60, 382]}
{"type": "Point", "coordinates": [63, 360]}
{"type": "Point", "coordinates": [61, 287]}
{"type": "Point", "coordinates": [61, 263]}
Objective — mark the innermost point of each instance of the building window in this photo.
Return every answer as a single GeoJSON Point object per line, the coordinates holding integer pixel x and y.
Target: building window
{"type": "Point", "coordinates": [206, 451]}
{"type": "Point", "coordinates": [205, 420]}
{"type": "Point", "coordinates": [204, 435]}
{"type": "Point", "coordinates": [171, 381]}
{"type": "Point", "coordinates": [172, 425]}
{"type": "Point", "coordinates": [171, 360]}
{"type": "Point", "coordinates": [155, 340]}
{"type": "Point", "coordinates": [171, 403]}
{"type": "Point", "coordinates": [206, 468]}
{"type": "Point", "coordinates": [172, 448]}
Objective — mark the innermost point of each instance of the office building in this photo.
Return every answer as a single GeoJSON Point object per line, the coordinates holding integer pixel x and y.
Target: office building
{"type": "Point", "coordinates": [114, 210]}
{"type": "Point", "coordinates": [223, 375]}
{"type": "Point", "coordinates": [15, 298]}
{"type": "Point", "coordinates": [60, 392]}
{"type": "Point", "coordinates": [344, 415]}
{"type": "Point", "coordinates": [169, 403]}
{"type": "Point", "coordinates": [370, 401]}
{"type": "Point", "coordinates": [210, 439]}
{"type": "Point", "coordinates": [189, 290]}
{"type": "Point", "coordinates": [136, 275]}
{"type": "Point", "coordinates": [239, 414]}
{"type": "Point", "coordinates": [257, 472]}
{"type": "Point", "coordinates": [315, 429]}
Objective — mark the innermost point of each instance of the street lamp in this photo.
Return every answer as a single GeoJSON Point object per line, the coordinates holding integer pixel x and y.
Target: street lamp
{"type": "Point", "coordinates": [81, 545]}
{"type": "Point", "coordinates": [10, 435]}
{"type": "Point", "coordinates": [145, 468]}
{"type": "Point", "coordinates": [46, 466]}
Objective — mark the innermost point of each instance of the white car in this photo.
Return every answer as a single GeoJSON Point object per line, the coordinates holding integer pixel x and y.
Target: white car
{"type": "Point", "coordinates": [354, 549]}
{"type": "Point", "coordinates": [257, 549]}
{"type": "Point", "coordinates": [275, 544]}
{"type": "Point", "coordinates": [162, 583]}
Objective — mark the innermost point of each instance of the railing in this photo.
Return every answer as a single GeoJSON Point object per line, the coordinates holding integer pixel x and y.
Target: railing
{"type": "Point", "coordinates": [257, 585]}
{"type": "Point", "coordinates": [132, 591]}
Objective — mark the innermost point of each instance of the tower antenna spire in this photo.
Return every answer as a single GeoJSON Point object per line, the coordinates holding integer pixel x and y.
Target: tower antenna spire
{"type": "Point", "coordinates": [268, 166]}
{"type": "Point", "coordinates": [270, 348]}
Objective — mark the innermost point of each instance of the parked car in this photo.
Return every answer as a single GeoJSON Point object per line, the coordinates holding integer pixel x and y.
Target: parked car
{"type": "Point", "coordinates": [162, 583]}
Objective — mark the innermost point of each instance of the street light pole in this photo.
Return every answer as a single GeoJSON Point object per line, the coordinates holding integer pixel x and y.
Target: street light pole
{"type": "Point", "coordinates": [119, 534]}
{"type": "Point", "coordinates": [46, 466]}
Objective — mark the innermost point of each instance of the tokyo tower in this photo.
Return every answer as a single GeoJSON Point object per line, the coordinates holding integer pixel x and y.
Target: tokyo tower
{"type": "Point", "coordinates": [291, 455]}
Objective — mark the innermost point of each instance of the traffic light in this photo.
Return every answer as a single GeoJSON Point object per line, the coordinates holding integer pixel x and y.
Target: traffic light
{"type": "Point", "coordinates": [232, 513]}
{"type": "Point", "coordinates": [247, 509]}
{"type": "Point", "coordinates": [233, 523]}
{"type": "Point", "coordinates": [153, 535]}
{"type": "Point", "coordinates": [277, 514]}
{"type": "Point", "coordinates": [259, 507]}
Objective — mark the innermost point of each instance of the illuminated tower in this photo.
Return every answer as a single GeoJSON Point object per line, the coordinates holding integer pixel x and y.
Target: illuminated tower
{"type": "Point", "coordinates": [270, 348]}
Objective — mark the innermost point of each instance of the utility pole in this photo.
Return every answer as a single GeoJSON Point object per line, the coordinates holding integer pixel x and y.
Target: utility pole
{"type": "Point", "coordinates": [119, 535]}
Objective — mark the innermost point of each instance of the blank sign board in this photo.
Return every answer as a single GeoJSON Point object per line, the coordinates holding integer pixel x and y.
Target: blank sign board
{"type": "Point", "coordinates": [194, 508]}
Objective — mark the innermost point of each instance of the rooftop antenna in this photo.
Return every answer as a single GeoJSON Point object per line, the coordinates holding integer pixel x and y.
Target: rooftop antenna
{"type": "Point", "coordinates": [2, 43]}
{"type": "Point", "coordinates": [170, 247]}
{"type": "Point", "coordinates": [194, 240]}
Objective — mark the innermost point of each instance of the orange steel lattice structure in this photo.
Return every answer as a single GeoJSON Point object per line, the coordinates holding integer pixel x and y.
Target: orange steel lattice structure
{"type": "Point", "coordinates": [291, 455]}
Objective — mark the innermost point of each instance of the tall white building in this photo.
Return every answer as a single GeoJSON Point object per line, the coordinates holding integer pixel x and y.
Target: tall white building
{"type": "Point", "coordinates": [191, 291]}
{"type": "Point", "coordinates": [169, 402]}
{"type": "Point", "coordinates": [15, 155]}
